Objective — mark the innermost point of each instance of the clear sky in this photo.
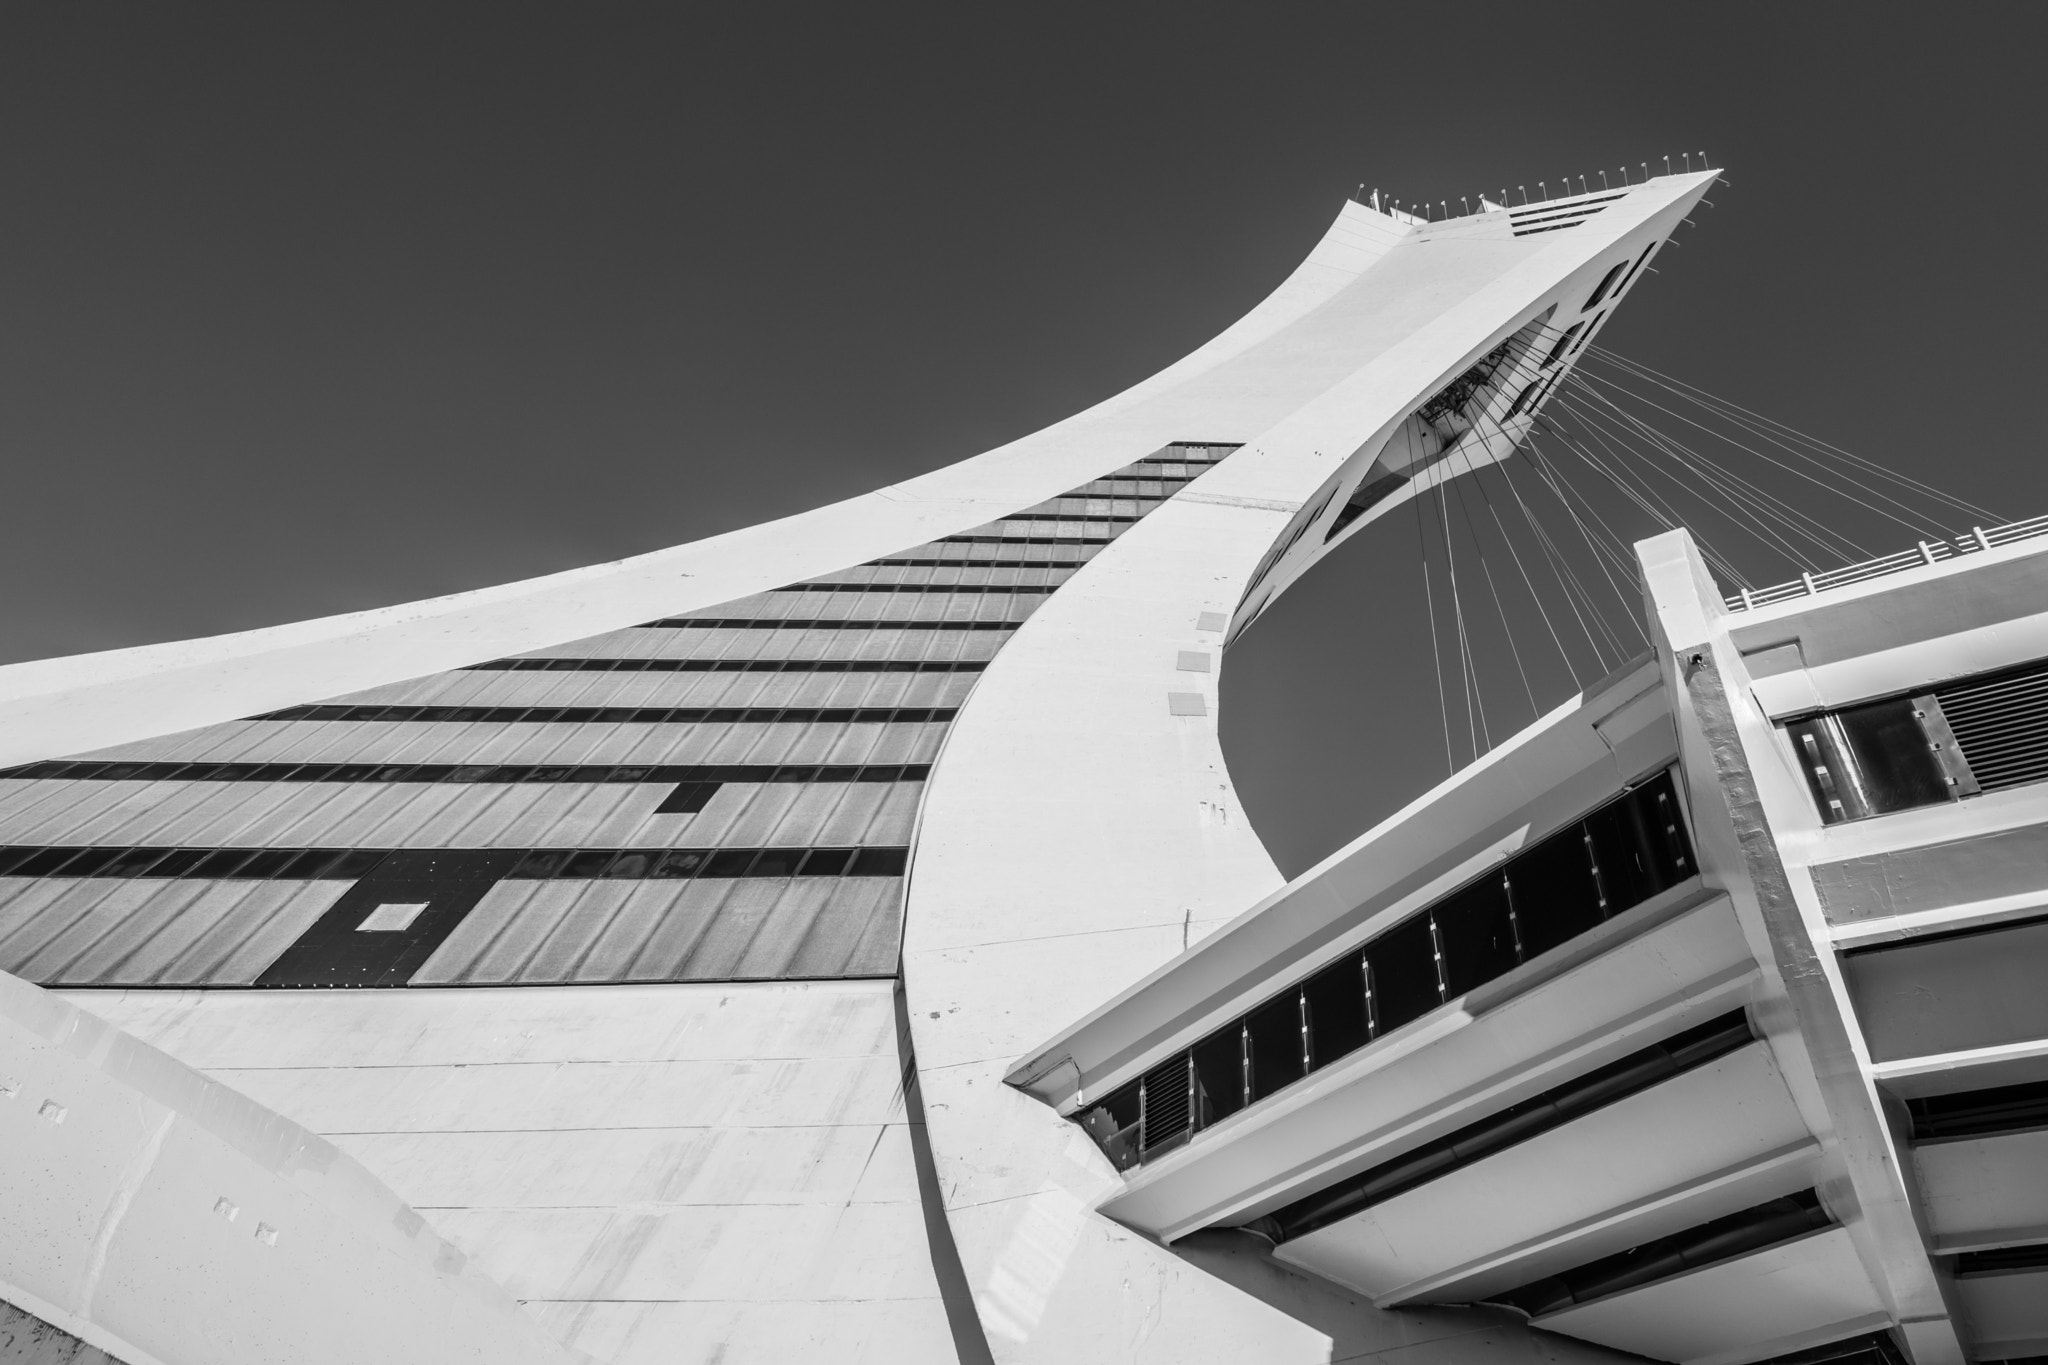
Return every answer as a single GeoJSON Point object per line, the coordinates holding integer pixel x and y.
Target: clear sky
{"type": "Point", "coordinates": [307, 308]}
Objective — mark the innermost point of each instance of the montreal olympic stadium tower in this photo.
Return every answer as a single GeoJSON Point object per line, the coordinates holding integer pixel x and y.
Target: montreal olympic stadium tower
{"type": "Point", "coordinates": [840, 939]}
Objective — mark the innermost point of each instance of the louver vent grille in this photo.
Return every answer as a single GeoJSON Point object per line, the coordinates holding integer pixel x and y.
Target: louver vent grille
{"type": "Point", "coordinates": [1553, 215]}
{"type": "Point", "coordinates": [2001, 725]}
{"type": "Point", "coordinates": [1167, 1113]}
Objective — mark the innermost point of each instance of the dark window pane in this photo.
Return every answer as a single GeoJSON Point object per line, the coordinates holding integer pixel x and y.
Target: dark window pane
{"type": "Point", "coordinates": [881, 862]}
{"type": "Point", "coordinates": [12, 858]}
{"type": "Point", "coordinates": [220, 862]}
{"type": "Point", "coordinates": [179, 862]}
{"type": "Point", "coordinates": [776, 862]}
{"type": "Point", "coordinates": [1663, 822]}
{"type": "Point", "coordinates": [132, 862]}
{"type": "Point", "coordinates": [1606, 283]}
{"type": "Point", "coordinates": [1336, 1009]}
{"type": "Point", "coordinates": [1624, 858]}
{"type": "Point", "coordinates": [588, 863]}
{"type": "Point", "coordinates": [1219, 1075]}
{"type": "Point", "coordinates": [310, 864]}
{"type": "Point", "coordinates": [682, 862]}
{"type": "Point", "coordinates": [1274, 1031]}
{"type": "Point", "coordinates": [827, 862]}
{"type": "Point", "coordinates": [731, 862]}
{"type": "Point", "coordinates": [1556, 898]}
{"type": "Point", "coordinates": [267, 863]}
{"type": "Point", "coordinates": [1478, 939]}
{"type": "Point", "coordinates": [1404, 981]}
{"type": "Point", "coordinates": [89, 862]}
{"type": "Point", "coordinates": [631, 865]}
{"type": "Point", "coordinates": [1113, 1123]}
{"type": "Point", "coordinates": [688, 798]}
{"type": "Point", "coordinates": [358, 863]}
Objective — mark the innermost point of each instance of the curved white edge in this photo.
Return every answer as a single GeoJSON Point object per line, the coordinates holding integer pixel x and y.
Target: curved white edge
{"type": "Point", "coordinates": [1550, 772]}
{"type": "Point", "coordinates": [1082, 829]}
{"type": "Point", "coordinates": [161, 1216]}
{"type": "Point", "coordinates": [58, 706]}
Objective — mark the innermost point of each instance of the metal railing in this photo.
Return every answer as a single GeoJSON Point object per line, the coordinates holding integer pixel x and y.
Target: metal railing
{"type": "Point", "coordinates": [1926, 552]}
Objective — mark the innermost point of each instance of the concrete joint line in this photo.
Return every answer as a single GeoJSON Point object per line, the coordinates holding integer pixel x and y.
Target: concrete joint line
{"type": "Point", "coordinates": [116, 1212]}
{"type": "Point", "coordinates": [1229, 500]}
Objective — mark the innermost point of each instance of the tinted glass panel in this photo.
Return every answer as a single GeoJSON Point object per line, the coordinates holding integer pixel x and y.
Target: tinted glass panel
{"type": "Point", "coordinates": [1555, 895]}
{"type": "Point", "coordinates": [1624, 859]}
{"type": "Point", "coordinates": [1274, 1031]}
{"type": "Point", "coordinates": [827, 862]}
{"type": "Point", "coordinates": [1477, 936]}
{"type": "Point", "coordinates": [881, 862]}
{"type": "Point", "coordinates": [1336, 1009]}
{"type": "Point", "coordinates": [1219, 1075]}
{"type": "Point", "coordinates": [730, 863]}
{"type": "Point", "coordinates": [1404, 982]}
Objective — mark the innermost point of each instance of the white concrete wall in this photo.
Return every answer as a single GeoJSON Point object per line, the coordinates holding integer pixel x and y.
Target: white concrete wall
{"type": "Point", "coordinates": [611, 1153]}
{"type": "Point", "coordinates": [659, 1173]}
{"type": "Point", "coordinates": [1081, 830]}
{"type": "Point", "coordinates": [161, 1217]}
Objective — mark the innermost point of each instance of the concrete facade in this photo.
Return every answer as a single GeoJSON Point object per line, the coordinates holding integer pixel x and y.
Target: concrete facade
{"type": "Point", "coordinates": [676, 1055]}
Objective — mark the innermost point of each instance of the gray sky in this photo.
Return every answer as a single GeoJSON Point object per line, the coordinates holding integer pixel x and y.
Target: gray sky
{"type": "Point", "coordinates": [312, 308]}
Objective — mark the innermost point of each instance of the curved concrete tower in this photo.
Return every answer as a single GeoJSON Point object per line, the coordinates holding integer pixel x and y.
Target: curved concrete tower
{"type": "Point", "coordinates": [659, 936]}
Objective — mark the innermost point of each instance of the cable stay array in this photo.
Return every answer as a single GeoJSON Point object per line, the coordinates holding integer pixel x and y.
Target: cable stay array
{"type": "Point", "coordinates": [1524, 537]}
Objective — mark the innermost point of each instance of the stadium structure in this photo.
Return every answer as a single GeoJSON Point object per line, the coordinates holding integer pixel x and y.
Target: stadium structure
{"type": "Point", "coordinates": [840, 939]}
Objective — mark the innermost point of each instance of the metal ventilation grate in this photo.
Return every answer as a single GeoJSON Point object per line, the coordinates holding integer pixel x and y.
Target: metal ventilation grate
{"type": "Point", "coordinates": [2001, 725]}
{"type": "Point", "coordinates": [1168, 1112]}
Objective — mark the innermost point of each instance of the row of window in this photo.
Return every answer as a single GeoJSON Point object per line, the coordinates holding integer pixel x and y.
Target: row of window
{"type": "Point", "coordinates": [350, 864]}
{"type": "Point", "coordinates": [1544, 211]}
{"type": "Point", "coordinates": [1019, 539]}
{"type": "Point", "coordinates": [620, 715]}
{"type": "Point", "coordinates": [608, 665]}
{"type": "Point", "coordinates": [912, 562]}
{"type": "Point", "coordinates": [1980, 1113]}
{"type": "Point", "coordinates": [815, 623]}
{"type": "Point", "coordinates": [1986, 732]}
{"type": "Point", "coordinates": [1518, 1123]}
{"type": "Point", "coordinates": [102, 771]}
{"type": "Point", "coordinates": [1039, 588]}
{"type": "Point", "coordinates": [1566, 884]}
{"type": "Point", "coordinates": [1737, 1234]}
{"type": "Point", "coordinates": [1083, 518]}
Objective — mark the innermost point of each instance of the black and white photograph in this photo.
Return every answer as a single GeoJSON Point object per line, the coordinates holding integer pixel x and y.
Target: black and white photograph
{"type": "Point", "coordinates": [1322, 683]}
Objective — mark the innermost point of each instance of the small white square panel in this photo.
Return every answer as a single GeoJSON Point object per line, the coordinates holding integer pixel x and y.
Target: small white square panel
{"type": "Point", "coordinates": [389, 919]}
{"type": "Point", "coordinates": [1210, 620]}
{"type": "Point", "coordinates": [1186, 704]}
{"type": "Point", "coordinates": [1193, 661]}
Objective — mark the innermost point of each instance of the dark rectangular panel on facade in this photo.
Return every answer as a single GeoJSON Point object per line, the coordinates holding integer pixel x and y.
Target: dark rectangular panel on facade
{"type": "Point", "coordinates": [688, 798]}
{"type": "Point", "coordinates": [385, 927]}
{"type": "Point", "coordinates": [1952, 993]}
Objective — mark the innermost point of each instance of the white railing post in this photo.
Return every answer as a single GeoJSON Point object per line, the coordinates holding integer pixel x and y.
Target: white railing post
{"type": "Point", "coordinates": [1926, 553]}
{"type": "Point", "coordinates": [1807, 579]}
{"type": "Point", "coordinates": [1748, 602]}
{"type": "Point", "coordinates": [1983, 541]}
